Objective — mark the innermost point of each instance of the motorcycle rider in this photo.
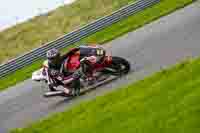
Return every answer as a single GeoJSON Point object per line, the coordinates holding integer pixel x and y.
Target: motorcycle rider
{"type": "Point", "coordinates": [69, 64]}
{"type": "Point", "coordinates": [56, 64]}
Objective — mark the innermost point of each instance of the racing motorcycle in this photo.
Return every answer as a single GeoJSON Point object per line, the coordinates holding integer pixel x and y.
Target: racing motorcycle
{"type": "Point", "coordinates": [108, 68]}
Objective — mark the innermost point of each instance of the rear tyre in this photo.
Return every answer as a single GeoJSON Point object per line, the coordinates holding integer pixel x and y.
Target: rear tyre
{"type": "Point", "coordinates": [119, 66]}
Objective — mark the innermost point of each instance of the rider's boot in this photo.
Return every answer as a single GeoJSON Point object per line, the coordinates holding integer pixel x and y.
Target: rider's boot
{"type": "Point", "coordinates": [73, 89]}
{"type": "Point", "coordinates": [76, 87]}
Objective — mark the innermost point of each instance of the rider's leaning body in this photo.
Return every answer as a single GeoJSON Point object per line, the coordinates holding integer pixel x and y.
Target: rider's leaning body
{"type": "Point", "coordinates": [69, 63]}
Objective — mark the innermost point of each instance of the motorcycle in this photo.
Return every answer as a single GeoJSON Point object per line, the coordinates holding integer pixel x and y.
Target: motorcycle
{"type": "Point", "coordinates": [109, 68]}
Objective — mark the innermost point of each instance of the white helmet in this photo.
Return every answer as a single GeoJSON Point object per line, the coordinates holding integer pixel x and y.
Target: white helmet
{"type": "Point", "coordinates": [53, 55]}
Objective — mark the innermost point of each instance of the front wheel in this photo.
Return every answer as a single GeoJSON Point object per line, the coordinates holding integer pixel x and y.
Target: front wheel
{"type": "Point", "coordinates": [119, 66]}
{"type": "Point", "coordinates": [51, 87]}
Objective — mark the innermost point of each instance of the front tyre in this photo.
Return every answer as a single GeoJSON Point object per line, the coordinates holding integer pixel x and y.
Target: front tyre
{"type": "Point", "coordinates": [51, 87]}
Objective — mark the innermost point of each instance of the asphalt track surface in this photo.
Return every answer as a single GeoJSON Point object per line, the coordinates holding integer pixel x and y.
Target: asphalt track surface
{"type": "Point", "coordinates": [158, 45]}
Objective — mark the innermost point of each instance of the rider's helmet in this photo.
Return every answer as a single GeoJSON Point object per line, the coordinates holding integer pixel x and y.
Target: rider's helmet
{"type": "Point", "coordinates": [53, 56]}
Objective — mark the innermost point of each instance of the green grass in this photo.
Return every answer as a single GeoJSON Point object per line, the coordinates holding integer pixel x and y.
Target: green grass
{"type": "Point", "coordinates": [166, 102]}
{"type": "Point", "coordinates": [42, 29]}
{"type": "Point", "coordinates": [130, 23]}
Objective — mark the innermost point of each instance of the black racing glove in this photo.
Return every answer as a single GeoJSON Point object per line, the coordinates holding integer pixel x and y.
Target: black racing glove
{"type": "Point", "coordinates": [56, 74]}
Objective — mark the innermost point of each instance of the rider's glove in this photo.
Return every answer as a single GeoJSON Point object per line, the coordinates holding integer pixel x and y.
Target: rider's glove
{"type": "Point", "coordinates": [56, 74]}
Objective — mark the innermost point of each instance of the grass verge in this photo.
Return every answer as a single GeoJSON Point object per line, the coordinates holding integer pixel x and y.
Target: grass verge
{"type": "Point", "coordinates": [117, 29]}
{"type": "Point", "coordinates": [166, 102]}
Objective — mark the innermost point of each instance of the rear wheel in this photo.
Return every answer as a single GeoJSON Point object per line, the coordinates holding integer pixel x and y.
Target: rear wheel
{"type": "Point", "coordinates": [119, 66]}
